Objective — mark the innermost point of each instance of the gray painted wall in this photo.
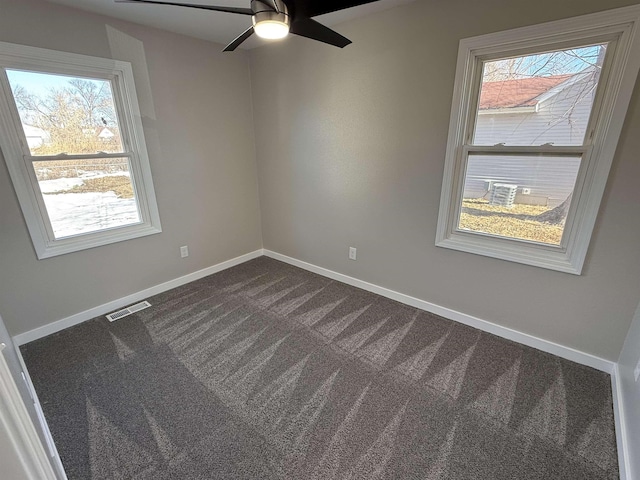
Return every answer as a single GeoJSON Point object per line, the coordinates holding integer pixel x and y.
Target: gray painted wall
{"type": "Point", "coordinates": [630, 398]}
{"type": "Point", "coordinates": [351, 145]}
{"type": "Point", "coordinates": [197, 116]}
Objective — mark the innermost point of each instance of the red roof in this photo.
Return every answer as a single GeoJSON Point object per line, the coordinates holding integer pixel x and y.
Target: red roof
{"type": "Point", "coordinates": [522, 92]}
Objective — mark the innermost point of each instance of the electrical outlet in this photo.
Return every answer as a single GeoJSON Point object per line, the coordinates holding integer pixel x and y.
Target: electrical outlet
{"type": "Point", "coordinates": [352, 253]}
{"type": "Point", "coordinates": [184, 251]}
{"type": "Point", "coordinates": [636, 372]}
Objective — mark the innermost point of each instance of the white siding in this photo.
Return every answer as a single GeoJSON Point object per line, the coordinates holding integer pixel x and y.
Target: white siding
{"type": "Point", "coordinates": [552, 177]}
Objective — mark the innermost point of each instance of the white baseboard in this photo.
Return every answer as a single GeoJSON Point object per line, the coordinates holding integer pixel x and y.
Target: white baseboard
{"type": "Point", "coordinates": [619, 417]}
{"type": "Point", "coordinates": [105, 308]}
{"type": "Point", "coordinates": [484, 325]}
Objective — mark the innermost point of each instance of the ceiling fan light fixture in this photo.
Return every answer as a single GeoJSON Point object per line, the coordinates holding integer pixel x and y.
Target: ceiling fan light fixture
{"type": "Point", "coordinates": [271, 19]}
{"type": "Point", "coordinates": [271, 25]}
{"type": "Point", "coordinates": [271, 29]}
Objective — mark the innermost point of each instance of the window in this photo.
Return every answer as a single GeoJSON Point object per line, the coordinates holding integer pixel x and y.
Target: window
{"type": "Point", "coordinates": [73, 142]}
{"type": "Point", "coordinates": [536, 117]}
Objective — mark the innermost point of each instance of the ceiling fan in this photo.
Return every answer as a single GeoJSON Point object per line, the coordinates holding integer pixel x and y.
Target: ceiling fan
{"type": "Point", "coordinates": [273, 19]}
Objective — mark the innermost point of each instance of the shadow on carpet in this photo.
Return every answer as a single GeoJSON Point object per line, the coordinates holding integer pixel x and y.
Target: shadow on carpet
{"type": "Point", "coordinates": [266, 371]}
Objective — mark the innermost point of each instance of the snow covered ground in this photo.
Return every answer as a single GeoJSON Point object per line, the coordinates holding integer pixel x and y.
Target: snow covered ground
{"type": "Point", "coordinates": [77, 213]}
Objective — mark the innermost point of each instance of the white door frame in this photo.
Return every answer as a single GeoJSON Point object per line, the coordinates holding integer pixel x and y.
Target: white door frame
{"type": "Point", "coordinates": [17, 427]}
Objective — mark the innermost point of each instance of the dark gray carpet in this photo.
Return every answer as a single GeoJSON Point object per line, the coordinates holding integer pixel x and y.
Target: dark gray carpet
{"type": "Point", "coordinates": [266, 371]}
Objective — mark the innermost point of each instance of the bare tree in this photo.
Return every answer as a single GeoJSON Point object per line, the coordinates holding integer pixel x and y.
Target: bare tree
{"type": "Point", "coordinates": [95, 100]}
{"type": "Point", "coordinates": [72, 117]}
{"type": "Point", "coordinates": [557, 215]}
{"type": "Point", "coordinates": [547, 64]}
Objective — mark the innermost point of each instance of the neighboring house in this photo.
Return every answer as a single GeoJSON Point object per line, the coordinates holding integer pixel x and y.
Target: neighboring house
{"type": "Point", "coordinates": [36, 137]}
{"type": "Point", "coordinates": [105, 133]}
{"type": "Point", "coordinates": [531, 111]}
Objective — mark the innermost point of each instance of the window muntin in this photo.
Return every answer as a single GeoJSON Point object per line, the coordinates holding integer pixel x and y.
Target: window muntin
{"type": "Point", "coordinates": [616, 35]}
{"type": "Point", "coordinates": [85, 193]}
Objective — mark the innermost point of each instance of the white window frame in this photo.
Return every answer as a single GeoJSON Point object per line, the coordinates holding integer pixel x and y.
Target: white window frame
{"type": "Point", "coordinates": [18, 158]}
{"type": "Point", "coordinates": [620, 28]}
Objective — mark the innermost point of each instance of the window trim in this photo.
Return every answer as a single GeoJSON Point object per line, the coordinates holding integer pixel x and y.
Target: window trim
{"type": "Point", "coordinates": [13, 141]}
{"type": "Point", "coordinates": [619, 26]}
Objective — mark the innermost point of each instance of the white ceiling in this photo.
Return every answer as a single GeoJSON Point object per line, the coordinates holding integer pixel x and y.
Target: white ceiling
{"type": "Point", "coordinates": [216, 27]}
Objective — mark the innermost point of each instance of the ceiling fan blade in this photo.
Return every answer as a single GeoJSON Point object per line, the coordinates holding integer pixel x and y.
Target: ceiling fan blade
{"type": "Point", "coordinates": [236, 43]}
{"type": "Point", "coordinates": [312, 8]}
{"type": "Point", "coordinates": [306, 27]}
{"type": "Point", "coordinates": [241, 11]}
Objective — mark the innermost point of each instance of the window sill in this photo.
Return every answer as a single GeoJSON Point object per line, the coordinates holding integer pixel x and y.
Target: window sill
{"type": "Point", "coordinates": [84, 242]}
{"type": "Point", "coordinates": [527, 253]}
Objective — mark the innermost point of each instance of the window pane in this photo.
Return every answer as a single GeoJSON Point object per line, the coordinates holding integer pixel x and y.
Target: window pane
{"type": "Point", "coordinates": [520, 197]}
{"type": "Point", "coordinates": [62, 114]}
{"type": "Point", "coordinates": [83, 196]}
{"type": "Point", "coordinates": [539, 99]}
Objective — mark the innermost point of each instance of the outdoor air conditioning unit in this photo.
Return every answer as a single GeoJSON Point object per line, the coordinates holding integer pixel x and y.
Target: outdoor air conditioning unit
{"type": "Point", "coordinates": [503, 194]}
